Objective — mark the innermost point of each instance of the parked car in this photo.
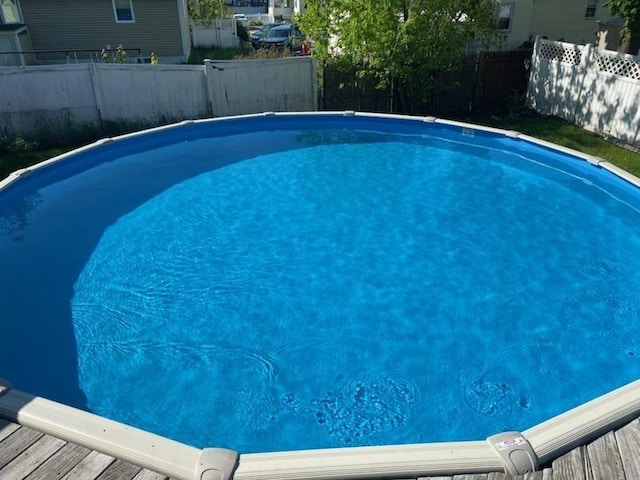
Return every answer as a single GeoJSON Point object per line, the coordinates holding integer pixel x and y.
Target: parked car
{"type": "Point", "coordinates": [284, 37]}
{"type": "Point", "coordinates": [256, 37]}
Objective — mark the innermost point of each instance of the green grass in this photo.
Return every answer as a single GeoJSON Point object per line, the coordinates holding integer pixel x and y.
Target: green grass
{"type": "Point", "coordinates": [558, 131]}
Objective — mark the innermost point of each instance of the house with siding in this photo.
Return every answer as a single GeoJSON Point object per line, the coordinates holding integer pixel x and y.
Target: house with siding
{"type": "Point", "coordinates": [59, 31]}
{"type": "Point", "coordinates": [574, 21]}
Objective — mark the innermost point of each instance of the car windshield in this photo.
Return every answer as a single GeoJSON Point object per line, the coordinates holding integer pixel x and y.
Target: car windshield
{"type": "Point", "coordinates": [263, 31]}
{"type": "Point", "coordinates": [278, 33]}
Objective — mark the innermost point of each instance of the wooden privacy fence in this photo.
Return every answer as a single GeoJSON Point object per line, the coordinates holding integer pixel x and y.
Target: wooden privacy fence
{"type": "Point", "coordinates": [483, 82]}
{"type": "Point", "coordinates": [598, 90]}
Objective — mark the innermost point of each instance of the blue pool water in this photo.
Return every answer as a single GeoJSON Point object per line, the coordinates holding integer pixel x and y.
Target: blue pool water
{"type": "Point", "coordinates": [320, 285]}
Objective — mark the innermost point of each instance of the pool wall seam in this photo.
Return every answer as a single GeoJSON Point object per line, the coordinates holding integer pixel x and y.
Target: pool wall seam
{"type": "Point", "coordinates": [548, 439]}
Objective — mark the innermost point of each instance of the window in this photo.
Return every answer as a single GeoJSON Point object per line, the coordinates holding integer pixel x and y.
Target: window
{"type": "Point", "coordinates": [10, 12]}
{"type": "Point", "coordinates": [123, 11]}
{"type": "Point", "coordinates": [591, 8]}
{"type": "Point", "coordinates": [505, 15]}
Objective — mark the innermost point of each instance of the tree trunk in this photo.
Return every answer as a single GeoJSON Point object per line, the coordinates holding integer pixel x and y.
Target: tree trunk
{"type": "Point", "coordinates": [630, 44]}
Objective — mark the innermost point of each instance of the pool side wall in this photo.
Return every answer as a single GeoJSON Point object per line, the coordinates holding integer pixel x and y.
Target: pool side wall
{"type": "Point", "coordinates": [548, 440]}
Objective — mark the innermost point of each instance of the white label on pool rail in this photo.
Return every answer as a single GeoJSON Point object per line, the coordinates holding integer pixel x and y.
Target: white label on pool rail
{"type": "Point", "coordinates": [510, 442]}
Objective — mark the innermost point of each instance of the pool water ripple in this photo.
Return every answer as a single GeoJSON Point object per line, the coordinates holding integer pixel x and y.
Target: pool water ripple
{"type": "Point", "coordinates": [381, 289]}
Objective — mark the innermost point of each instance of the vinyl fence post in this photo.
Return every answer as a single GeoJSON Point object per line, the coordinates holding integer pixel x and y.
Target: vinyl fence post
{"type": "Point", "coordinates": [97, 90]}
{"type": "Point", "coordinates": [208, 86]}
{"type": "Point", "coordinates": [637, 139]}
{"type": "Point", "coordinates": [532, 86]}
{"type": "Point", "coordinates": [585, 59]}
{"type": "Point", "coordinates": [580, 109]}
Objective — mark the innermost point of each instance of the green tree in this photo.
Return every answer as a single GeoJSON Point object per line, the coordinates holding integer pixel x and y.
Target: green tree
{"type": "Point", "coordinates": [630, 11]}
{"type": "Point", "coordinates": [400, 42]}
{"type": "Point", "coordinates": [206, 11]}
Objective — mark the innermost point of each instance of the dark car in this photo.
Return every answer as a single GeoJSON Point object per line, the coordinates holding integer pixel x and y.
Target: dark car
{"type": "Point", "coordinates": [284, 37]}
{"type": "Point", "coordinates": [256, 37]}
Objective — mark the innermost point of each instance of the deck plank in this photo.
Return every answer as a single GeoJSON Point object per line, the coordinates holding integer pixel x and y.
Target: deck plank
{"type": "Point", "coordinates": [15, 444]}
{"type": "Point", "coordinates": [472, 476]}
{"type": "Point", "coordinates": [149, 475]}
{"type": "Point", "coordinates": [570, 466]}
{"type": "Point", "coordinates": [120, 470]}
{"type": "Point", "coordinates": [604, 456]}
{"type": "Point", "coordinates": [59, 465]}
{"type": "Point", "coordinates": [7, 428]}
{"type": "Point", "coordinates": [628, 438]}
{"type": "Point", "coordinates": [587, 463]}
{"type": "Point", "coordinates": [539, 475]}
{"type": "Point", "coordinates": [90, 466]}
{"type": "Point", "coordinates": [34, 456]}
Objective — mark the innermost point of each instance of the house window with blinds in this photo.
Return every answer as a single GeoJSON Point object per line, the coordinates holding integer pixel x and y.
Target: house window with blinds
{"type": "Point", "coordinates": [591, 9]}
{"type": "Point", "coordinates": [123, 10]}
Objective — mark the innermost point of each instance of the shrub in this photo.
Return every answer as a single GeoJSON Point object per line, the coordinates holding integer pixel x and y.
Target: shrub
{"type": "Point", "coordinates": [17, 145]}
{"type": "Point", "coordinates": [263, 53]}
{"type": "Point", "coordinates": [243, 33]}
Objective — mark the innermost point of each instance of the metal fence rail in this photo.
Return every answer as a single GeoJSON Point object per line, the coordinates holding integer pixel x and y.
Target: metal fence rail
{"type": "Point", "coordinates": [34, 57]}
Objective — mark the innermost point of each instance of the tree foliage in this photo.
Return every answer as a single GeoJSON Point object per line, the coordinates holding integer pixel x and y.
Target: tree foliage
{"type": "Point", "coordinates": [629, 10]}
{"type": "Point", "coordinates": [400, 41]}
{"type": "Point", "coordinates": [206, 11]}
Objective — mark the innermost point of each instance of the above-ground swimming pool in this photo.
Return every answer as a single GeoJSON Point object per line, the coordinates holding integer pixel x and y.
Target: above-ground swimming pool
{"type": "Point", "coordinates": [282, 282]}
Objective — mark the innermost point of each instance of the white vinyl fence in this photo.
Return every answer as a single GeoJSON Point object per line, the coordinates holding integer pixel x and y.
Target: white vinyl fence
{"type": "Point", "coordinates": [221, 33]}
{"type": "Point", "coordinates": [247, 86]}
{"type": "Point", "coordinates": [598, 90]}
{"type": "Point", "coordinates": [57, 98]}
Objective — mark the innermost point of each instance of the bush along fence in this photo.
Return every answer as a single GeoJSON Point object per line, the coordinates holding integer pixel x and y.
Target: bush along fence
{"type": "Point", "coordinates": [491, 81]}
{"type": "Point", "coordinates": [595, 89]}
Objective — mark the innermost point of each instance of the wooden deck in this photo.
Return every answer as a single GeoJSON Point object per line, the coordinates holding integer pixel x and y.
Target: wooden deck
{"type": "Point", "coordinates": [31, 455]}
{"type": "Point", "coordinates": [28, 454]}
